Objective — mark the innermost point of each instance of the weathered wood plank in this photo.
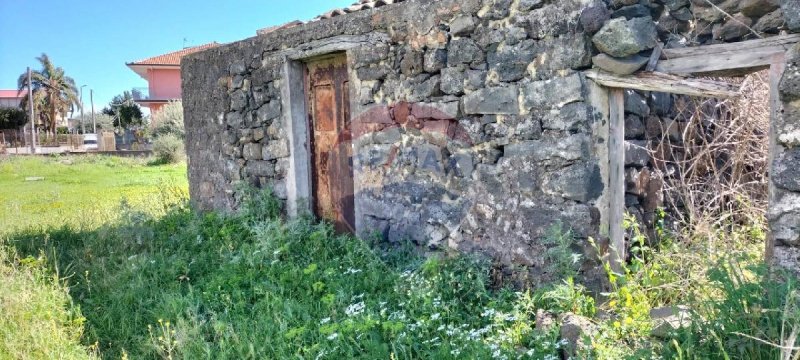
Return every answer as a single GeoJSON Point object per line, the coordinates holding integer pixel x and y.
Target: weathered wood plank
{"type": "Point", "coordinates": [755, 59]}
{"type": "Point", "coordinates": [775, 73]}
{"type": "Point", "coordinates": [654, 57]}
{"type": "Point", "coordinates": [725, 59]}
{"type": "Point", "coordinates": [616, 185]}
{"type": "Point", "coordinates": [781, 42]}
{"type": "Point", "coordinates": [660, 82]}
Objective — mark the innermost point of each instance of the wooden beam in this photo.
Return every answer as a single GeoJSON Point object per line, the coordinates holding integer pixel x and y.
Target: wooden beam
{"type": "Point", "coordinates": [775, 73]}
{"type": "Point", "coordinates": [665, 83]}
{"type": "Point", "coordinates": [654, 57]}
{"type": "Point", "coordinates": [616, 177]}
{"type": "Point", "coordinates": [783, 42]}
{"type": "Point", "coordinates": [723, 59]}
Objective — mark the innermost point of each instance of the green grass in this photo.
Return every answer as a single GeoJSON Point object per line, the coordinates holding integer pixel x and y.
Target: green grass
{"type": "Point", "coordinates": [153, 279]}
{"type": "Point", "coordinates": [38, 319]}
{"type": "Point", "coordinates": [81, 190]}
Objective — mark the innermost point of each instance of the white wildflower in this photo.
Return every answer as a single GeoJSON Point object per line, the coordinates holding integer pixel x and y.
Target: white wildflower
{"type": "Point", "coordinates": [435, 316]}
{"type": "Point", "coordinates": [325, 321]}
{"type": "Point", "coordinates": [352, 271]}
{"type": "Point", "coordinates": [333, 336]}
{"type": "Point", "coordinates": [355, 309]}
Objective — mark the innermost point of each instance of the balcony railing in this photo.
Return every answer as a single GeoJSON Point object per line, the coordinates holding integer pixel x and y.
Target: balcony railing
{"type": "Point", "coordinates": [141, 94]}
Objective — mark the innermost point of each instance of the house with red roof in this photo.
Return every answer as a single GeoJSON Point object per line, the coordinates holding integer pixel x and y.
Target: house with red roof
{"type": "Point", "coordinates": [163, 75]}
{"type": "Point", "coordinates": [11, 98]}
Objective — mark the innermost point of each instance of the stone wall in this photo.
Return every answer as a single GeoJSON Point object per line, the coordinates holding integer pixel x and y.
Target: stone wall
{"type": "Point", "coordinates": [474, 128]}
{"type": "Point", "coordinates": [473, 124]}
{"type": "Point", "coordinates": [784, 212]}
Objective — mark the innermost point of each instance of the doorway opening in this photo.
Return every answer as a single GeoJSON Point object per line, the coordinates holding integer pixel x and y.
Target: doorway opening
{"type": "Point", "coordinates": [327, 89]}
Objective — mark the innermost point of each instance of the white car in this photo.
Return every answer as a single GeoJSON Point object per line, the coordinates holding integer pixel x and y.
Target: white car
{"type": "Point", "coordinates": [90, 141]}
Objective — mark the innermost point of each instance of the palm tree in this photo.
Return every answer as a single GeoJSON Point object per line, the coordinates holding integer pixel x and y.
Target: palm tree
{"type": "Point", "coordinates": [54, 93]}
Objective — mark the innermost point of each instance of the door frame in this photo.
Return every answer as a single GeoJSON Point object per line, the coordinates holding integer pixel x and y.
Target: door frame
{"type": "Point", "coordinates": [293, 103]}
{"type": "Point", "coordinates": [672, 71]}
{"type": "Point", "coordinates": [336, 58]}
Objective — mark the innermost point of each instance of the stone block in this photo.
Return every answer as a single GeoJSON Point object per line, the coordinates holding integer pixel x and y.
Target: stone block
{"type": "Point", "coordinates": [429, 157]}
{"type": "Point", "coordinates": [412, 63]}
{"type": "Point", "coordinates": [237, 67]}
{"type": "Point", "coordinates": [786, 172]}
{"type": "Point", "coordinates": [636, 104]}
{"type": "Point", "coordinates": [528, 5]}
{"type": "Point", "coordinates": [791, 11]}
{"type": "Point", "coordinates": [452, 81]}
{"type": "Point", "coordinates": [375, 155]}
{"type": "Point", "coordinates": [570, 148]}
{"type": "Point", "coordinates": [252, 151]}
{"type": "Point", "coordinates": [434, 60]}
{"type": "Point", "coordinates": [758, 8]}
{"type": "Point", "coordinates": [622, 66]}
{"type": "Point", "coordinates": [769, 23]}
{"type": "Point", "coordinates": [574, 329]}
{"type": "Point", "coordinates": [634, 127]}
{"type": "Point", "coordinates": [463, 51]}
{"type": "Point", "coordinates": [553, 93]}
{"type": "Point", "coordinates": [620, 37]}
{"type": "Point", "coordinates": [733, 29]}
{"type": "Point", "coordinates": [494, 100]}
{"type": "Point", "coordinates": [572, 117]}
{"type": "Point", "coordinates": [268, 112]}
{"type": "Point", "coordinates": [593, 17]}
{"type": "Point", "coordinates": [259, 168]}
{"type": "Point", "coordinates": [636, 153]}
{"type": "Point", "coordinates": [461, 164]}
{"type": "Point", "coordinates": [579, 182]}
{"type": "Point", "coordinates": [510, 63]}
{"type": "Point", "coordinates": [785, 223]}
{"type": "Point", "coordinates": [275, 149]}
{"type": "Point", "coordinates": [632, 11]}
{"type": "Point", "coordinates": [389, 136]}
{"type": "Point", "coordinates": [238, 100]}
{"type": "Point", "coordinates": [462, 25]}
{"type": "Point", "coordinates": [637, 181]}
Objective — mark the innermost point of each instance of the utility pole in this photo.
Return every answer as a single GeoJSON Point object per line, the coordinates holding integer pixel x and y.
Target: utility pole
{"type": "Point", "coordinates": [91, 99]}
{"type": "Point", "coordinates": [31, 113]}
{"type": "Point", "coordinates": [82, 118]}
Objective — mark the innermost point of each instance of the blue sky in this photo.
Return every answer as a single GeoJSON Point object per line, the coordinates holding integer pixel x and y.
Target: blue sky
{"type": "Point", "coordinates": [92, 40]}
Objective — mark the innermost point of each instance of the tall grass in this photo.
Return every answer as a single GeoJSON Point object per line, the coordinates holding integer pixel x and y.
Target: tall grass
{"type": "Point", "coordinates": [38, 319]}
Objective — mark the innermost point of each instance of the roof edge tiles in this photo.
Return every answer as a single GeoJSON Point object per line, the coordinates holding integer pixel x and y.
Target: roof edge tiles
{"type": "Point", "coordinates": [172, 58]}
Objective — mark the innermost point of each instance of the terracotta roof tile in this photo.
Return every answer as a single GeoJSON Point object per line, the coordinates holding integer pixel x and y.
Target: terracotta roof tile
{"type": "Point", "coordinates": [173, 58]}
{"type": "Point", "coordinates": [270, 29]}
{"type": "Point", "coordinates": [358, 6]}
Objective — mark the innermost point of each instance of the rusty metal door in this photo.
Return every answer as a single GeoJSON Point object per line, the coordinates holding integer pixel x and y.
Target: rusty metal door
{"type": "Point", "coordinates": [327, 88]}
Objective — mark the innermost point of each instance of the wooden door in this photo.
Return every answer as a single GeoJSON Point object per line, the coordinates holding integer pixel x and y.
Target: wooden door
{"type": "Point", "coordinates": [327, 88]}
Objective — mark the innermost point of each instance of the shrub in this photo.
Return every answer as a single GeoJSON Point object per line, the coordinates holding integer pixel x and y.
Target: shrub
{"type": "Point", "coordinates": [169, 120]}
{"type": "Point", "coordinates": [168, 149]}
{"type": "Point", "coordinates": [12, 118]}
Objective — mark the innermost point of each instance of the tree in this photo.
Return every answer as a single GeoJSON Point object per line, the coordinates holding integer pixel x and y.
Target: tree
{"type": "Point", "coordinates": [54, 93]}
{"type": "Point", "coordinates": [103, 122]}
{"type": "Point", "coordinates": [125, 111]}
{"type": "Point", "coordinates": [169, 120]}
{"type": "Point", "coordinates": [12, 118]}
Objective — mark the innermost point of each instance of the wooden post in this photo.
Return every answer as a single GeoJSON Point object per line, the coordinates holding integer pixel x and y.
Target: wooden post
{"type": "Point", "coordinates": [31, 113]}
{"type": "Point", "coordinates": [616, 169]}
{"type": "Point", "coordinates": [776, 69]}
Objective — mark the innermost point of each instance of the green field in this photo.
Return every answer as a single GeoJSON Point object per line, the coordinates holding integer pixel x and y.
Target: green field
{"type": "Point", "coordinates": [102, 258]}
{"type": "Point", "coordinates": [82, 190]}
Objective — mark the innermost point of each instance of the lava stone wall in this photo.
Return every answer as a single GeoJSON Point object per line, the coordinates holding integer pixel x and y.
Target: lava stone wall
{"type": "Point", "coordinates": [473, 126]}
